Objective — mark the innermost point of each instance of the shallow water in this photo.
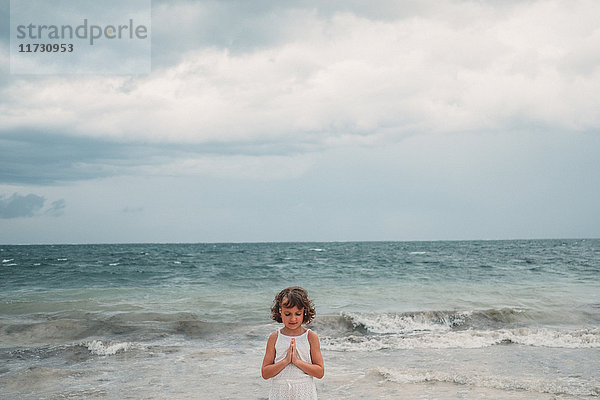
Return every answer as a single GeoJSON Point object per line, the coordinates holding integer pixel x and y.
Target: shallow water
{"type": "Point", "coordinates": [443, 320]}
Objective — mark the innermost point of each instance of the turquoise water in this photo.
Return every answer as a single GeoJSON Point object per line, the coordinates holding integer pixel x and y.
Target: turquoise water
{"type": "Point", "coordinates": [472, 318]}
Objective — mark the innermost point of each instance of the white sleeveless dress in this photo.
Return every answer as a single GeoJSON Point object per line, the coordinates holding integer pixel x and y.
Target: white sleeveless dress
{"type": "Point", "coordinates": [292, 383]}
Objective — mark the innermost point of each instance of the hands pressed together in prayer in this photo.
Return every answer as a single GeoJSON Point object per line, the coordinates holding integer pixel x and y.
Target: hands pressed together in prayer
{"type": "Point", "coordinates": [292, 354]}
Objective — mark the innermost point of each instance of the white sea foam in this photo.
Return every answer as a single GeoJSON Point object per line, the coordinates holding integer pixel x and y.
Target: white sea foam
{"type": "Point", "coordinates": [406, 323]}
{"type": "Point", "coordinates": [99, 348]}
{"type": "Point", "coordinates": [469, 339]}
{"type": "Point", "coordinates": [529, 384]}
{"type": "Point", "coordinates": [7, 260]}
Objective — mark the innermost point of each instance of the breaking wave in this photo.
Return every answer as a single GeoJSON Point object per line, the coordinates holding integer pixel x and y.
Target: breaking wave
{"type": "Point", "coordinates": [447, 329]}
{"type": "Point", "coordinates": [99, 348]}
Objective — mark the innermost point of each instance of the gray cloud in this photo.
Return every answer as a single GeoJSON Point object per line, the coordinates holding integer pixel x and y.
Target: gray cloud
{"type": "Point", "coordinates": [48, 158]}
{"type": "Point", "coordinates": [241, 26]}
{"type": "Point", "coordinates": [57, 208]}
{"type": "Point", "coordinates": [18, 206]}
{"type": "Point", "coordinates": [31, 205]}
{"type": "Point", "coordinates": [257, 24]}
{"type": "Point", "coordinates": [45, 158]}
{"type": "Point", "coordinates": [244, 27]}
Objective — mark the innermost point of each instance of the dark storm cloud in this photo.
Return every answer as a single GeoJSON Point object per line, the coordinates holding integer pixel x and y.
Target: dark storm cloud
{"type": "Point", "coordinates": [36, 158]}
{"type": "Point", "coordinates": [18, 206]}
{"type": "Point", "coordinates": [39, 158]}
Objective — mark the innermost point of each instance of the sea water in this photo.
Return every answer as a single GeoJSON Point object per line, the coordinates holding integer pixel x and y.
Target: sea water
{"type": "Point", "coordinates": [427, 320]}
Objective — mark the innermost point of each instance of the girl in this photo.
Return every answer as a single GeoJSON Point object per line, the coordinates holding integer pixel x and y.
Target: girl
{"type": "Point", "coordinates": [293, 354]}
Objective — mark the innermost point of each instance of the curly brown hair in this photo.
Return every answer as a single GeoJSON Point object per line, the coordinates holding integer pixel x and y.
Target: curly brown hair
{"type": "Point", "coordinates": [294, 296]}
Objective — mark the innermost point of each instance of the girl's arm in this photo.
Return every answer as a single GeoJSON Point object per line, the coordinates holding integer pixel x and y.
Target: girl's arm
{"type": "Point", "coordinates": [269, 367]}
{"type": "Point", "coordinates": [317, 368]}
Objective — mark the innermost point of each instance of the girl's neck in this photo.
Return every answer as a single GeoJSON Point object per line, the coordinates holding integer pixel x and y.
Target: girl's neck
{"type": "Point", "coordinates": [293, 332]}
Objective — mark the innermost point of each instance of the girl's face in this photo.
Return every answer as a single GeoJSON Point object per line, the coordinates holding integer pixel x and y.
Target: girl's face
{"type": "Point", "coordinates": [292, 317]}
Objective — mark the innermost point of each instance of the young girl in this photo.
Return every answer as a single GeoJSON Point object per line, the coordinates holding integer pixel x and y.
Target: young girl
{"type": "Point", "coordinates": [293, 354]}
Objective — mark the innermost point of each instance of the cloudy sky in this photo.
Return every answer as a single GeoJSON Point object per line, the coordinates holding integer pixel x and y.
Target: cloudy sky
{"type": "Point", "coordinates": [316, 121]}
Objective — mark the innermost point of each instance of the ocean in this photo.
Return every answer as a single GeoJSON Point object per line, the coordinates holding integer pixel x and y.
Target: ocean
{"type": "Point", "coordinates": [396, 320]}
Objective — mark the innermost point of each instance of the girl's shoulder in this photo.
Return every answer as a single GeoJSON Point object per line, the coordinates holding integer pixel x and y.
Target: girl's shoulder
{"type": "Point", "coordinates": [272, 337]}
{"type": "Point", "coordinates": [312, 335]}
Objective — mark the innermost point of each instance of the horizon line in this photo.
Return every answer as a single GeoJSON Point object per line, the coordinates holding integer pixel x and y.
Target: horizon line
{"type": "Point", "coordinates": [300, 241]}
